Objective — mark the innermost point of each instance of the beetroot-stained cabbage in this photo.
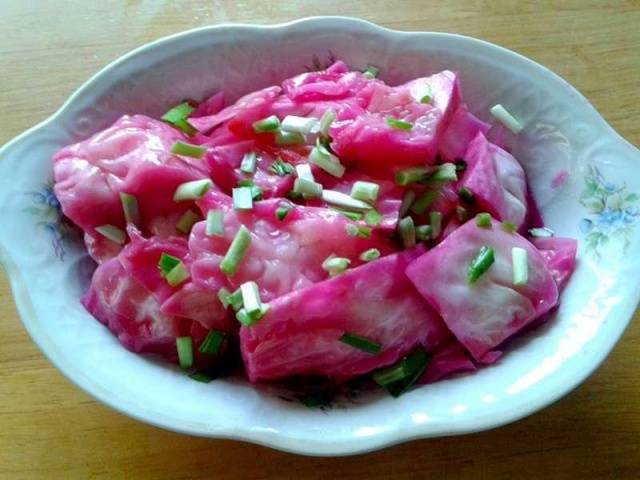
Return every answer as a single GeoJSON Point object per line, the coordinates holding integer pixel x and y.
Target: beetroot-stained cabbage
{"type": "Point", "coordinates": [560, 256]}
{"type": "Point", "coordinates": [210, 106]}
{"type": "Point", "coordinates": [484, 314]}
{"type": "Point", "coordinates": [300, 335]}
{"type": "Point", "coordinates": [445, 361]}
{"type": "Point", "coordinates": [463, 128]}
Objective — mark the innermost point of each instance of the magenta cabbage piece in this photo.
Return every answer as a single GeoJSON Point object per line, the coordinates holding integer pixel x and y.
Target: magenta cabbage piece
{"type": "Point", "coordinates": [462, 129]}
{"type": "Point", "coordinates": [445, 361]}
{"type": "Point", "coordinates": [559, 255]}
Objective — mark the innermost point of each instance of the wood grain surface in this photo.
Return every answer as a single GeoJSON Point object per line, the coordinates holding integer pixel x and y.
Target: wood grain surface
{"type": "Point", "coordinates": [50, 429]}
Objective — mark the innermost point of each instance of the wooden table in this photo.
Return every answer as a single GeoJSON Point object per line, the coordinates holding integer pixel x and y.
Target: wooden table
{"type": "Point", "coordinates": [50, 429]}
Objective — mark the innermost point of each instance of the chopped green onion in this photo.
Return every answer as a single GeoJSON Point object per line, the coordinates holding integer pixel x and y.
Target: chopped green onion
{"type": "Point", "coordinates": [407, 232]}
{"type": "Point", "coordinates": [256, 192]}
{"type": "Point", "coordinates": [185, 127]}
{"type": "Point", "coordinates": [227, 298]}
{"type": "Point", "coordinates": [483, 220]}
{"type": "Point", "coordinates": [295, 196]}
{"type": "Point", "coordinates": [412, 175]}
{"type": "Point", "coordinates": [407, 201]}
{"type": "Point", "coordinates": [520, 266]}
{"type": "Point", "coordinates": [462, 214]}
{"type": "Point", "coordinates": [424, 95]}
{"type": "Point", "coordinates": [435, 220]}
{"type": "Point", "coordinates": [179, 112]}
{"type": "Point", "coordinates": [466, 195]}
{"type": "Point", "coordinates": [426, 98]}
{"type": "Point", "coordinates": [167, 263]}
{"type": "Point", "coordinates": [365, 191]}
{"type": "Point", "coordinates": [130, 208]}
{"type": "Point", "coordinates": [509, 227]}
{"type": "Point", "coordinates": [269, 124]}
{"type": "Point", "coordinates": [327, 119]}
{"type": "Point", "coordinates": [398, 378]}
{"type": "Point", "coordinates": [242, 198]}
{"type": "Point", "coordinates": [370, 255]}
{"type": "Point", "coordinates": [112, 233]}
{"type": "Point", "coordinates": [192, 190]}
{"type": "Point", "coordinates": [283, 210]}
{"type": "Point", "coordinates": [284, 139]}
{"type": "Point", "coordinates": [361, 343]}
{"type": "Point", "coordinates": [424, 202]}
{"type": "Point", "coordinates": [326, 161]}
{"type": "Point", "coordinates": [389, 375]}
{"type": "Point", "coordinates": [335, 265]}
{"type": "Point", "coordinates": [212, 342]}
{"type": "Point", "coordinates": [355, 216]}
{"type": "Point", "coordinates": [315, 400]}
{"type": "Point", "coordinates": [292, 123]}
{"type": "Point", "coordinates": [444, 173]}
{"type": "Point", "coordinates": [308, 188]}
{"type": "Point", "coordinates": [481, 263]}
{"type": "Point", "coordinates": [223, 296]}
{"type": "Point", "coordinates": [345, 201]}
{"type": "Point", "coordinates": [424, 232]}
{"type": "Point", "coordinates": [371, 71]}
{"type": "Point", "coordinates": [460, 164]}
{"type": "Point", "coordinates": [177, 275]}
{"type": "Point", "coordinates": [249, 163]}
{"type": "Point", "coordinates": [215, 223]}
{"type": "Point", "coordinates": [249, 320]}
{"type": "Point", "coordinates": [250, 297]}
{"type": "Point", "coordinates": [508, 120]}
{"type": "Point", "coordinates": [201, 377]}
{"type": "Point", "coordinates": [237, 251]}
{"type": "Point", "coordinates": [188, 150]}
{"type": "Point", "coordinates": [399, 124]}
{"type": "Point", "coordinates": [372, 217]}
{"type": "Point", "coordinates": [303, 170]}
{"type": "Point", "coordinates": [541, 232]}
{"type": "Point", "coordinates": [187, 221]}
{"type": "Point", "coordinates": [184, 346]}
{"type": "Point", "coordinates": [357, 231]}
{"type": "Point", "coordinates": [281, 168]}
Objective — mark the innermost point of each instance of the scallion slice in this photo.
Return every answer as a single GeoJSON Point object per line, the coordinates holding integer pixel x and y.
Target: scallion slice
{"type": "Point", "coordinates": [365, 191]}
{"type": "Point", "coordinates": [167, 263]}
{"type": "Point", "coordinates": [250, 297]}
{"type": "Point", "coordinates": [328, 162]}
{"type": "Point", "coordinates": [192, 190]}
{"type": "Point", "coordinates": [354, 230]}
{"type": "Point", "coordinates": [435, 221]}
{"type": "Point", "coordinates": [462, 214]}
{"type": "Point", "coordinates": [177, 116]}
{"type": "Point", "coordinates": [308, 188]}
{"type": "Point", "coordinates": [281, 168]}
{"type": "Point", "coordinates": [466, 195]}
{"type": "Point", "coordinates": [249, 163]}
{"type": "Point", "coordinates": [187, 221]}
{"type": "Point", "coordinates": [256, 191]}
{"type": "Point", "coordinates": [177, 275]}
{"type": "Point", "coordinates": [372, 218]}
{"type": "Point", "coordinates": [188, 150]}
{"type": "Point", "coordinates": [201, 377]}
{"type": "Point", "coordinates": [236, 252]}
{"type": "Point", "coordinates": [407, 201]}
{"type": "Point", "coordinates": [424, 202]}
{"type": "Point", "coordinates": [354, 216]}
{"type": "Point", "coordinates": [398, 378]}
{"type": "Point", "coordinates": [304, 125]}
{"type": "Point", "coordinates": [444, 173]}
{"type": "Point", "coordinates": [284, 139]}
{"type": "Point", "coordinates": [541, 232]}
{"type": "Point", "coordinates": [345, 201]}
{"type": "Point", "coordinates": [461, 165]}
{"type": "Point", "coordinates": [480, 264]}
{"type": "Point", "coordinates": [130, 208]}
{"type": "Point", "coordinates": [370, 255]}
{"type": "Point", "coordinates": [399, 124]}
{"type": "Point", "coordinates": [326, 120]}
{"type": "Point", "coordinates": [283, 210]}
{"type": "Point", "coordinates": [303, 170]}
{"type": "Point", "coordinates": [242, 198]}
{"type": "Point", "coordinates": [184, 346]}
{"type": "Point", "coordinates": [212, 342]}
{"type": "Point", "coordinates": [426, 98]}
{"type": "Point", "coordinates": [508, 120]}
{"type": "Point", "coordinates": [520, 266]}
{"type": "Point", "coordinates": [509, 227]}
{"type": "Point", "coordinates": [269, 124]}
{"type": "Point", "coordinates": [371, 71]}
{"type": "Point", "coordinates": [412, 175]}
{"type": "Point", "coordinates": [185, 127]}
{"type": "Point", "coordinates": [112, 233]}
{"type": "Point", "coordinates": [424, 232]}
{"type": "Point", "coordinates": [215, 223]}
{"type": "Point", "coordinates": [483, 220]}
{"type": "Point", "coordinates": [361, 343]}
{"type": "Point", "coordinates": [407, 231]}
{"type": "Point", "coordinates": [249, 320]}
{"type": "Point", "coordinates": [335, 265]}
{"type": "Point", "coordinates": [230, 299]}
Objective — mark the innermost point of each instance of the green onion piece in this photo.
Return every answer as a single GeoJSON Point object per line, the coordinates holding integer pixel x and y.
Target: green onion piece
{"type": "Point", "coordinates": [435, 220]}
{"type": "Point", "coordinates": [292, 123]}
{"type": "Point", "coordinates": [357, 231]}
{"type": "Point", "coordinates": [520, 266]}
{"type": "Point", "coordinates": [466, 195]}
{"type": "Point", "coordinates": [508, 120]}
{"type": "Point", "coordinates": [242, 198]}
{"type": "Point", "coordinates": [269, 124]}
{"type": "Point", "coordinates": [424, 202]}
{"type": "Point", "coordinates": [184, 345]}
{"type": "Point", "coordinates": [256, 192]}
{"type": "Point", "coordinates": [407, 232]}
{"type": "Point", "coordinates": [192, 190]}
{"type": "Point", "coordinates": [407, 201]}
{"type": "Point", "coordinates": [424, 232]}
{"type": "Point", "coordinates": [303, 170]}
{"type": "Point", "coordinates": [372, 217]}
{"type": "Point", "coordinates": [355, 216]}
{"type": "Point", "coordinates": [509, 227]}
{"type": "Point", "coordinates": [412, 175]}
{"type": "Point", "coordinates": [483, 220]}
{"type": "Point", "coordinates": [365, 191]}
{"type": "Point", "coordinates": [317, 400]}
{"type": "Point", "coordinates": [185, 127]}
{"type": "Point", "coordinates": [335, 265]}
{"type": "Point", "coordinates": [541, 232]}
{"type": "Point", "coordinates": [281, 168]}
{"type": "Point", "coordinates": [295, 196]}
{"type": "Point", "coordinates": [227, 298]}
{"type": "Point", "coordinates": [188, 150]}
{"type": "Point", "coordinates": [177, 275]}
{"type": "Point", "coordinates": [462, 214]}
{"type": "Point", "coordinates": [250, 297]}
{"type": "Point", "coordinates": [389, 375]}
{"type": "Point", "coordinates": [371, 71]}
{"type": "Point", "coordinates": [414, 366]}
{"type": "Point", "coordinates": [223, 296]}
{"type": "Point", "coordinates": [130, 208]}
{"type": "Point", "coordinates": [460, 164]}
{"type": "Point", "coordinates": [249, 320]}
{"type": "Point", "coordinates": [237, 251]}
{"type": "Point", "coordinates": [345, 201]}
{"type": "Point", "coordinates": [112, 233]}
{"type": "Point", "coordinates": [325, 122]}
{"type": "Point", "coordinates": [212, 342]}
{"type": "Point", "coordinates": [426, 98]}
{"type": "Point", "coordinates": [215, 223]}
{"type": "Point", "coordinates": [424, 95]}
{"type": "Point", "coordinates": [308, 188]}
{"type": "Point", "coordinates": [179, 112]}
{"type": "Point", "coordinates": [326, 161]}
{"type": "Point", "coordinates": [283, 210]}
{"type": "Point", "coordinates": [399, 124]}
{"type": "Point", "coordinates": [361, 343]}
{"type": "Point", "coordinates": [187, 221]}
{"type": "Point", "coordinates": [444, 173]}
{"type": "Point", "coordinates": [249, 163]}
{"type": "Point", "coordinates": [284, 139]}
{"type": "Point", "coordinates": [201, 377]}
{"type": "Point", "coordinates": [167, 263]}
{"type": "Point", "coordinates": [370, 255]}
{"type": "Point", "coordinates": [480, 264]}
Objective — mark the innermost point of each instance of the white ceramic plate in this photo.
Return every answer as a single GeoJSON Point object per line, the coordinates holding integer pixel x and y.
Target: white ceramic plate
{"type": "Point", "coordinates": [598, 205]}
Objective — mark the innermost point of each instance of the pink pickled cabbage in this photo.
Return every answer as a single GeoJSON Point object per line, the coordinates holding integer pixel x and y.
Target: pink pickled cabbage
{"type": "Point", "coordinates": [446, 360]}
{"type": "Point", "coordinates": [462, 129]}
{"type": "Point", "coordinates": [559, 255]}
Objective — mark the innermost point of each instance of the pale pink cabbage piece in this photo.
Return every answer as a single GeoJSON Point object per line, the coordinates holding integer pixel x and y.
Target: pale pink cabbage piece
{"type": "Point", "coordinates": [484, 314]}
{"type": "Point", "coordinates": [559, 255]}
{"type": "Point", "coordinates": [497, 180]}
{"type": "Point", "coordinates": [284, 255]}
{"type": "Point", "coordinates": [101, 248]}
{"type": "Point", "coordinates": [462, 129]}
{"type": "Point", "coordinates": [300, 333]}
{"type": "Point", "coordinates": [448, 359]}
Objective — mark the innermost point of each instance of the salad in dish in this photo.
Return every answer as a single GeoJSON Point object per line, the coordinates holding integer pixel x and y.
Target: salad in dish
{"type": "Point", "coordinates": [329, 227]}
